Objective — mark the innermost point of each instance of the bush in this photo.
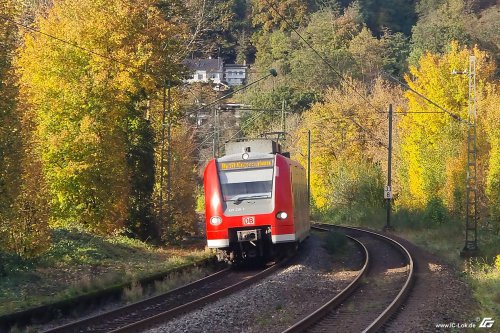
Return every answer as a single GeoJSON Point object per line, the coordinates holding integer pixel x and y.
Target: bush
{"type": "Point", "coordinates": [10, 262]}
{"type": "Point", "coordinates": [435, 212]}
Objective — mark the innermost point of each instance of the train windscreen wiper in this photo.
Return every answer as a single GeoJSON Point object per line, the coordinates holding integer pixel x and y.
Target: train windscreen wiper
{"type": "Point", "coordinates": [250, 197]}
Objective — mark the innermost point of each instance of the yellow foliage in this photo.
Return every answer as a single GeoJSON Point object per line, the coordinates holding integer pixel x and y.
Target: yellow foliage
{"type": "Point", "coordinates": [345, 130]}
{"type": "Point", "coordinates": [491, 114]}
{"type": "Point", "coordinates": [433, 145]}
{"type": "Point", "coordinates": [79, 95]}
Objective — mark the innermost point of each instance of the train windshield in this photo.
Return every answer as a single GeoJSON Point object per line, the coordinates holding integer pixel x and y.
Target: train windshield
{"type": "Point", "coordinates": [246, 184]}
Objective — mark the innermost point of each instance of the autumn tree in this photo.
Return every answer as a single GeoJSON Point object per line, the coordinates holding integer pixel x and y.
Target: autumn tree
{"type": "Point", "coordinates": [483, 29]}
{"type": "Point", "coordinates": [79, 97]}
{"type": "Point", "coordinates": [214, 27]}
{"type": "Point", "coordinates": [9, 120]}
{"type": "Point", "coordinates": [348, 131]}
{"type": "Point", "coordinates": [182, 205]}
{"type": "Point", "coordinates": [23, 201]}
{"type": "Point", "coordinates": [433, 145]}
{"type": "Point", "coordinates": [271, 14]}
{"type": "Point", "coordinates": [489, 114]}
{"type": "Point", "coordinates": [8, 126]}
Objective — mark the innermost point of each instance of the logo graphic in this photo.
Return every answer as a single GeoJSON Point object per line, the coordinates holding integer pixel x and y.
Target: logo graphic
{"type": "Point", "coordinates": [250, 220]}
{"type": "Point", "coordinates": [487, 322]}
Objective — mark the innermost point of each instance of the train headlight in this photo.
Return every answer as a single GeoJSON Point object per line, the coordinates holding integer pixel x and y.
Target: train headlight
{"type": "Point", "coordinates": [215, 220]}
{"type": "Point", "coordinates": [281, 215]}
{"type": "Point", "coordinates": [245, 156]}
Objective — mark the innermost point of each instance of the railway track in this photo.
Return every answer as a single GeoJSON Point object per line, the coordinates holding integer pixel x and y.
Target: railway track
{"type": "Point", "coordinates": [374, 296]}
{"type": "Point", "coordinates": [159, 309]}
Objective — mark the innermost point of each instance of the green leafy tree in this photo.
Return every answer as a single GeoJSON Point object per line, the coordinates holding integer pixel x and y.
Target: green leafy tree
{"type": "Point", "coordinates": [397, 50]}
{"type": "Point", "coordinates": [368, 52]}
{"type": "Point", "coordinates": [140, 162]}
{"type": "Point", "coordinates": [439, 23]}
{"type": "Point", "coordinates": [299, 83]}
{"type": "Point", "coordinates": [395, 15]}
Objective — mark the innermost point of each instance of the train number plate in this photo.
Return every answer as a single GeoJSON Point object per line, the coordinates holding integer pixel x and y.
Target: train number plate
{"type": "Point", "coordinates": [248, 220]}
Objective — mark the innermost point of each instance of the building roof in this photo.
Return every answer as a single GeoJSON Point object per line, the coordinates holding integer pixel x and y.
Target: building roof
{"type": "Point", "coordinates": [210, 65]}
{"type": "Point", "coordinates": [235, 66]}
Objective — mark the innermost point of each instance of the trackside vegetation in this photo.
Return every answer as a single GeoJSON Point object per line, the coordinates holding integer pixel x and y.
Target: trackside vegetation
{"type": "Point", "coordinates": [78, 263]}
{"type": "Point", "coordinates": [101, 152]}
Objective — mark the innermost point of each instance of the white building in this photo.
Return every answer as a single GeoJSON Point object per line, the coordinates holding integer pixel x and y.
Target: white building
{"type": "Point", "coordinates": [235, 74]}
{"type": "Point", "coordinates": [205, 70]}
{"type": "Point", "coordinates": [214, 70]}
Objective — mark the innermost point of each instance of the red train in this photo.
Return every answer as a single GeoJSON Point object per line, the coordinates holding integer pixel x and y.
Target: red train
{"type": "Point", "coordinates": [256, 202]}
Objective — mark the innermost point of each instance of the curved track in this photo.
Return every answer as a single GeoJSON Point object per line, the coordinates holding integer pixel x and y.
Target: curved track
{"type": "Point", "coordinates": [374, 296]}
{"type": "Point", "coordinates": [144, 314]}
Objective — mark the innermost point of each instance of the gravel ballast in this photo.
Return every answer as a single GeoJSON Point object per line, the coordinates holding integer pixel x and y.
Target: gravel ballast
{"type": "Point", "coordinates": [439, 297]}
{"type": "Point", "coordinates": [276, 302]}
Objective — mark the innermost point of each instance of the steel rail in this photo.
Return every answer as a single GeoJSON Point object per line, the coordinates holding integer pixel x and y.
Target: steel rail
{"type": "Point", "coordinates": [389, 310]}
{"type": "Point", "coordinates": [403, 293]}
{"type": "Point", "coordinates": [168, 315]}
{"type": "Point", "coordinates": [339, 298]}
{"type": "Point", "coordinates": [122, 311]}
{"type": "Point", "coordinates": [44, 313]}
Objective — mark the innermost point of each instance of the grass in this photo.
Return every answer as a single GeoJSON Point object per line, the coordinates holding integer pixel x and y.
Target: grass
{"type": "Point", "coordinates": [446, 240]}
{"type": "Point", "coordinates": [485, 280]}
{"type": "Point", "coordinates": [78, 263]}
{"type": "Point", "coordinates": [136, 292]}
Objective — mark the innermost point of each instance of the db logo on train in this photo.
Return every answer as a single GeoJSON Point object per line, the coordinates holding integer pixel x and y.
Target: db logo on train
{"type": "Point", "coordinates": [248, 220]}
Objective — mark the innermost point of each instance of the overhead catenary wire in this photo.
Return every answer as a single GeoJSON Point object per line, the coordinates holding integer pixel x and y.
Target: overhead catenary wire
{"type": "Point", "coordinates": [327, 63]}
{"type": "Point", "coordinates": [212, 135]}
{"type": "Point", "coordinates": [126, 65]}
{"type": "Point", "coordinates": [332, 68]}
{"type": "Point", "coordinates": [73, 44]}
{"type": "Point", "coordinates": [272, 72]}
{"type": "Point", "coordinates": [453, 115]}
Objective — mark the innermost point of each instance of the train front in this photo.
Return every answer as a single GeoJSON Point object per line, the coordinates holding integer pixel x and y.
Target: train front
{"type": "Point", "coordinates": [248, 205]}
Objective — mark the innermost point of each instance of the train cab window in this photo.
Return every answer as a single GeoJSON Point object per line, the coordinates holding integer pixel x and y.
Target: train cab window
{"type": "Point", "coordinates": [246, 184]}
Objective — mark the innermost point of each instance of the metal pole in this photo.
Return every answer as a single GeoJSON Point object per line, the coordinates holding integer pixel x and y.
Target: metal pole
{"type": "Point", "coordinates": [216, 133]}
{"type": "Point", "coordinates": [283, 119]}
{"type": "Point", "coordinates": [388, 190]}
{"type": "Point", "coordinates": [472, 213]}
{"type": "Point", "coordinates": [169, 152]}
{"type": "Point", "coordinates": [162, 149]}
{"type": "Point", "coordinates": [213, 148]}
{"type": "Point", "coordinates": [309, 168]}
